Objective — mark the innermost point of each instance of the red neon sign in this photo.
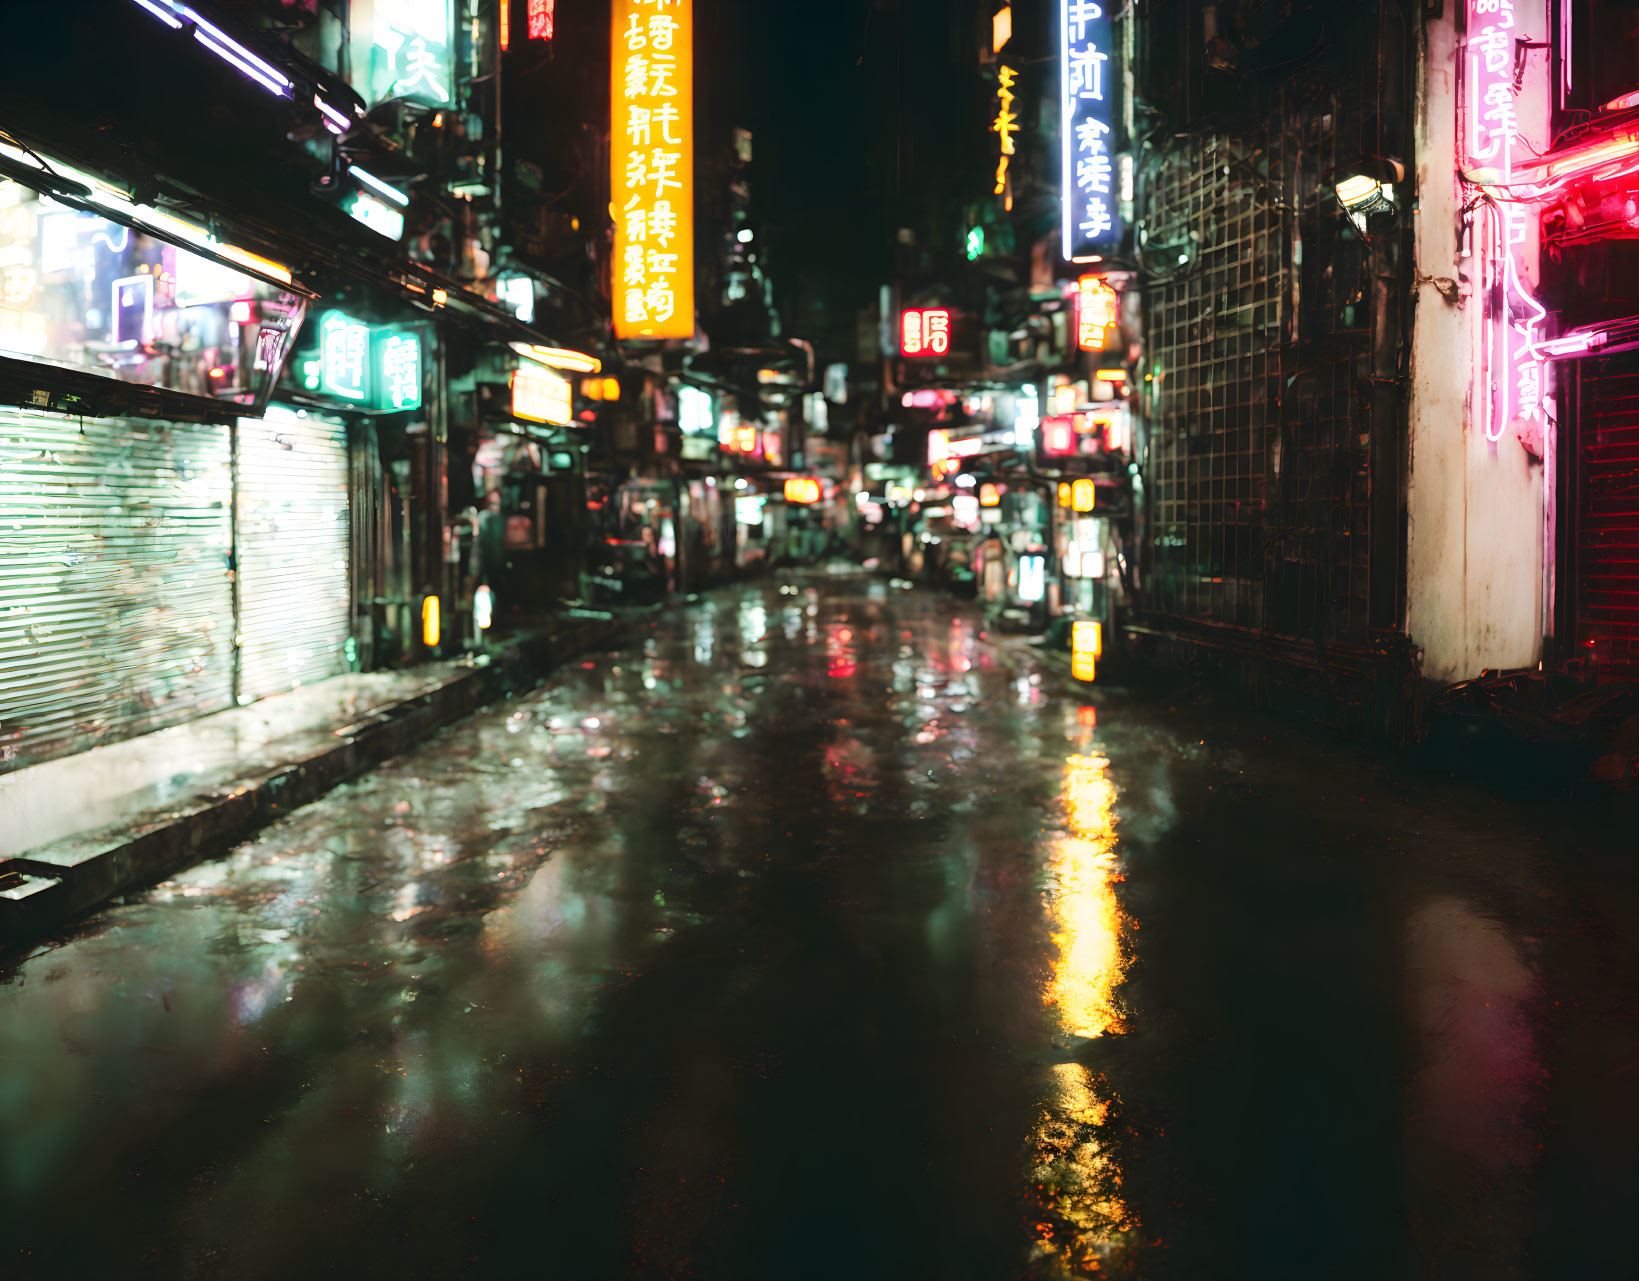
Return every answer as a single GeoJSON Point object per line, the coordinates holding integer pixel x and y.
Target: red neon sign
{"type": "Point", "coordinates": [924, 331]}
{"type": "Point", "coordinates": [542, 19]}
{"type": "Point", "coordinates": [1510, 366]}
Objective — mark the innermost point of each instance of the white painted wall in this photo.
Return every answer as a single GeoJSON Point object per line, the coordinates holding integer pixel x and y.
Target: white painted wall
{"type": "Point", "coordinates": [1477, 546]}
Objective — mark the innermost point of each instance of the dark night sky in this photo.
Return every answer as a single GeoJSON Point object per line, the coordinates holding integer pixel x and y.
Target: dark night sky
{"type": "Point", "coordinates": [821, 85]}
{"type": "Point", "coordinates": [814, 96]}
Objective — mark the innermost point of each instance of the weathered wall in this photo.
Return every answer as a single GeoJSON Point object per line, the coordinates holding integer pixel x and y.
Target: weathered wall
{"type": "Point", "coordinates": [1475, 561]}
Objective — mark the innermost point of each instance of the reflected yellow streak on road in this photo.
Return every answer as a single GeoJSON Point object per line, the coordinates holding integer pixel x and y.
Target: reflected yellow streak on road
{"type": "Point", "coordinates": [1086, 917]}
{"type": "Point", "coordinates": [1078, 1184]}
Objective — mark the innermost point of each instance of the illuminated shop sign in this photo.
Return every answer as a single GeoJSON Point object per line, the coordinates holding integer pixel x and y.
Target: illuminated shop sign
{"type": "Point", "coordinates": [1089, 75]}
{"type": "Point", "coordinates": [379, 216]}
{"type": "Point", "coordinates": [1006, 126]}
{"type": "Point", "coordinates": [803, 490]}
{"type": "Point", "coordinates": [924, 331]}
{"type": "Point", "coordinates": [541, 396]}
{"type": "Point", "coordinates": [90, 294]}
{"type": "Point", "coordinates": [652, 163]}
{"type": "Point", "coordinates": [1086, 648]}
{"type": "Point", "coordinates": [1032, 579]}
{"type": "Point", "coordinates": [370, 367]}
{"type": "Point", "coordinates": [411, 53]}
{"type": "Point", "coordinates": [695, 413]}
{"type": "Point", "coordinates": [543, 19]}
{"type": "Point", "coordinates": [1510, 364]}
{"type": "Point", "coordinates": [518, 294]}
{"type": "Point", "coordinates": [1098, 313]}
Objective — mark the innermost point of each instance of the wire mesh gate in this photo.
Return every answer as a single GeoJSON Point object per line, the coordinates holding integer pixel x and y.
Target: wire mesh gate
{"type": "Point", "coordinates": [1264, 308]}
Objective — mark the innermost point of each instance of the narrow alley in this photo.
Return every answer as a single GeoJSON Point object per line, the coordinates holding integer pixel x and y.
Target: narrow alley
{"type": "Point", "coordinates": [818, 934]}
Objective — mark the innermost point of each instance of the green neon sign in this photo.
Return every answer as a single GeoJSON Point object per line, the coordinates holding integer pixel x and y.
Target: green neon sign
{"type": "Point", "coordinates": [372, 367]}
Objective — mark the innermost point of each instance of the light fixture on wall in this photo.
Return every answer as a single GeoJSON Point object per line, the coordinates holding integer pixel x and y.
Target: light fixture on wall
{"type": "Point", "coordinates": [1367, 186]}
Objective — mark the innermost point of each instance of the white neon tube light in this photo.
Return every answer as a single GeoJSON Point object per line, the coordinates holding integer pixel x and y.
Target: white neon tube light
{"type": "Point", "coordinates": [377, 185]}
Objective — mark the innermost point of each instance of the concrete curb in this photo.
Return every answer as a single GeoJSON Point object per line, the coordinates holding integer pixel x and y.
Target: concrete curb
{"type": "Point", "coordinates": [46, 887]}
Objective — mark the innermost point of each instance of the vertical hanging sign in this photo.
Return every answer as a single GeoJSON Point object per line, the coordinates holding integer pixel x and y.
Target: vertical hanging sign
{"type": "Point", "coordinates": [1510, 365]}
{"type": "Point", "coordinates": [1007, 124]}
{"type": "Point", "coordinates": [1088, 77]}
{"type": "Point", "coordinates": [543, 19]}
{"type": "Point", "coordinates": [652, 163]}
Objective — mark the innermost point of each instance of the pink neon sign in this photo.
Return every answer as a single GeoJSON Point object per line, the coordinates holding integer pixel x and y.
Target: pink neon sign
{"type": "Point", "coordinates": [1510, 363]}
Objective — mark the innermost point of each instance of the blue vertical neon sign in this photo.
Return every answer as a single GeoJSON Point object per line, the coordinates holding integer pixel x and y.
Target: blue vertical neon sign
{"type": "Point", "coordinates": [1089, 76]}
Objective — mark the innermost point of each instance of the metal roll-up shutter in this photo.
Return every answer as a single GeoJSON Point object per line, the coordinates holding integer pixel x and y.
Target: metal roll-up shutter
{"type": "Point", "coordinates": [294, 552]}
{"type": "Point", "coordinates": [116, 600]}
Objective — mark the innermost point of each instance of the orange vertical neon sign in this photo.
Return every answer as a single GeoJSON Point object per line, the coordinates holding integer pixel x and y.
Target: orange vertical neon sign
{"type": "Point", "coordinates": [652, 167]}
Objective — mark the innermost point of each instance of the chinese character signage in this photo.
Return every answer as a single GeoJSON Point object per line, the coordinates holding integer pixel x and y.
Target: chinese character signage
{"type": "Point", "coordinates": [412, 53]}
{"type": "Point", "coordinates": [1006, 125]}
{"type": "Point", "coordinates": [1091, 77]}
{"type": "Point", "coordinates": [924, 331]}
{"type": "Point", "coordinates": [652, 156]}
{"type": "Point", "coordinates": [1505, 230]}
{"type": "Point", "coordinates": [1098, 312]}
{"type": "Point", "coordinates": [542, 19]}
{"type": "Point", "coordinates": [369, 367]}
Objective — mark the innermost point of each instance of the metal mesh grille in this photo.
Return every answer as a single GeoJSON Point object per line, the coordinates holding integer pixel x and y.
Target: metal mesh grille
{"type": "Point", "coordinates": [1260, 332]}
{"type": "Point", "coordinates": [1608, 525]}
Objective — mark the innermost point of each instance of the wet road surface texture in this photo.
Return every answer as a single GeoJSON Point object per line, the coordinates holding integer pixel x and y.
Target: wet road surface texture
{"type": "Point", "coordinates": [814, 936]}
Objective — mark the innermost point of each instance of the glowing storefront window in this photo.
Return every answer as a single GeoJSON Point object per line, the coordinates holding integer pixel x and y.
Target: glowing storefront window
{"type": "Point", "coordinates": [83, 292]}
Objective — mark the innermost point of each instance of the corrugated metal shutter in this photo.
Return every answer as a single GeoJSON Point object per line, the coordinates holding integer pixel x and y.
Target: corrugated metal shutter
{"type": "Point", "coordinates": [116, 604]}
{"type": "Point", "coordinates": [1608, 524]}
{"type": "Point", "coordinates": [294, 552]}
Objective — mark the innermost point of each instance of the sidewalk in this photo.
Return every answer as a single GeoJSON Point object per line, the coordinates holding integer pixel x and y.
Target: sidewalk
{"type": "Point", "coordinates": [76, 831]}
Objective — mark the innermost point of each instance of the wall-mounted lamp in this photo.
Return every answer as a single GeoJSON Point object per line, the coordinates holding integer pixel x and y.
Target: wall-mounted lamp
{"type": "Point", "coordinates": [1367, 187]}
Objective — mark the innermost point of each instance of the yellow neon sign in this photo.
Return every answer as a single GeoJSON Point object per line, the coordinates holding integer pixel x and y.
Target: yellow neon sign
{"type": "Point", "coordinates": [651, 88]}
{"type": "Point", "coordinates": [1007, 123]}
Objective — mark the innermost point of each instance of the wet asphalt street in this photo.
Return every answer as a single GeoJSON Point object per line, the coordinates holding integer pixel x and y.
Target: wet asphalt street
{"type": "Point", "coordinates": [813, 935]}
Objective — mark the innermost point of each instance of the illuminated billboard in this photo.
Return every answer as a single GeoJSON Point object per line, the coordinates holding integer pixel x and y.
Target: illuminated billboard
{"type": "Point", "coordinates": [652, 168]}
{"type": "Point", "coordinates": [1089, 74]}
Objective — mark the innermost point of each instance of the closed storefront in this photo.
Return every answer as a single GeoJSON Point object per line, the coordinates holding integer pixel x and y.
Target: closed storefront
{"type": "Point", "coordinates": [116, 597]}
{"type": "Point", "coordinates": [294, 552]}
{"type": "Point", "coordinates": [1599, 564]}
